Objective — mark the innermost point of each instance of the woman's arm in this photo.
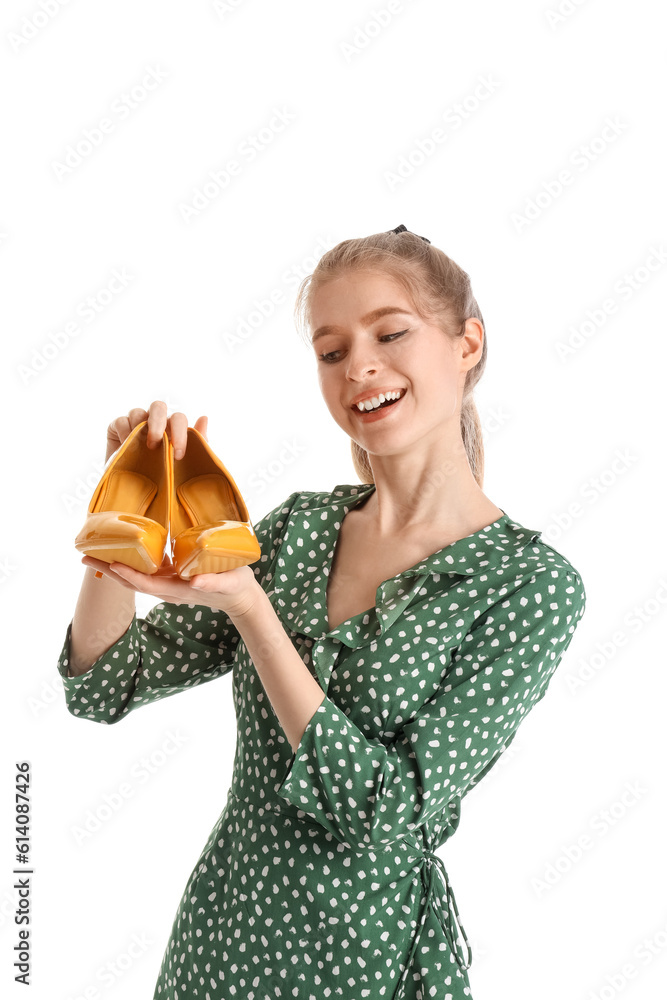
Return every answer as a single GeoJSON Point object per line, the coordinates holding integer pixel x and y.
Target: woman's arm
{"type": "Point", "coordinates": [104, 612]}
{"type": "Point", "coordinates": [113, 662]}
{"type": "Point", "coordinates": [171, 649]}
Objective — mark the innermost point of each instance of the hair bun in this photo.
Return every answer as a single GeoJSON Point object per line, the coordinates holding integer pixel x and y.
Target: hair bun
{"type": "Point", "coordinates": [402, 229]}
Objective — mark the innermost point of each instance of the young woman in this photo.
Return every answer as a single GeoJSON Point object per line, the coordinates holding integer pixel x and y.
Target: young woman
{"type": "Point", "coordinates": [394, 635]}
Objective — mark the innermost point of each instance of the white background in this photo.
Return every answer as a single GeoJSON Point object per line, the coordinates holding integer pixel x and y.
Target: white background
{"type": "Point", "coordinates": [580, 432]}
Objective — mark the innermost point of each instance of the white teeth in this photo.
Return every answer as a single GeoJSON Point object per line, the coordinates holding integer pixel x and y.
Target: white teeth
{"type": "Point", "coordinates": [374, 402]}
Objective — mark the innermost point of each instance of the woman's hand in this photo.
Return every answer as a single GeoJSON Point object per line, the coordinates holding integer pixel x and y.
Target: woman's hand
{"type": "Point", "coordinates": [176, 427]}
{"type": "Point", "coordinates": [233, 591]}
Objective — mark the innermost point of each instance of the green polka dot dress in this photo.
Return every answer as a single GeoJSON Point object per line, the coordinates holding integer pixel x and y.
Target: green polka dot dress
{"type": "Point", "coordinates": [322, 877]}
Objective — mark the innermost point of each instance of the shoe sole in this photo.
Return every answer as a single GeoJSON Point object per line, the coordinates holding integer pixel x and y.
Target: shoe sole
{"type": "Point", "coordinates": [114, 550]}
{"type": "Point", "coordinates": [113, 536]}
{"type": "Point", "coordinates": [215, 548]}
{"type": "Point", "coordinates": [211, 561]}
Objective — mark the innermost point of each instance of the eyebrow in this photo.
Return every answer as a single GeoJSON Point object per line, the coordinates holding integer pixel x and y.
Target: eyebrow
{"type": "Point", "coordinates": [366, 320]}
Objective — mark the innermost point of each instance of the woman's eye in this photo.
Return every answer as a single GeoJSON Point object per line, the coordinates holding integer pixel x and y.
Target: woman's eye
{"type": "Point", "coordinates": [329, 358]}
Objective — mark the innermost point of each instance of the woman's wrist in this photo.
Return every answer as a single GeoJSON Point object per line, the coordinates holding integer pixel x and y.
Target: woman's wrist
{"type": "Point", "coordinates": [248, 605]}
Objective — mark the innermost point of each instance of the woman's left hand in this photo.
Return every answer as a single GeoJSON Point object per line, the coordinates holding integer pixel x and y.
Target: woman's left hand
{"type": "Point", "coordinates": [233, 591]}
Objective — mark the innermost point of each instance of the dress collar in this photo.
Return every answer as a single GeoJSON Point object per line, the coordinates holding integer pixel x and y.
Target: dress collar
{"type": "Point", "coordinates": [306, 556]}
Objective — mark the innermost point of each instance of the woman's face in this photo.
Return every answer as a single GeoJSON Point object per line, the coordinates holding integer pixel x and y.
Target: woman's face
{"type": "Point", "coordinates": [360, 355]}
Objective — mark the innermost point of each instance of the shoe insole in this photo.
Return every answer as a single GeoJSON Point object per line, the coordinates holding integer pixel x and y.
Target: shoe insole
{"type": "Point", "coordinates": [207, 499]}
{"type": "Point", "coordinates": [126, 491]}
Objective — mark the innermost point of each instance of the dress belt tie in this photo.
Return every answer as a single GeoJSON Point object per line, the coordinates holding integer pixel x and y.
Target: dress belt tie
{"type": "Point", "coordinates": [445, 918]}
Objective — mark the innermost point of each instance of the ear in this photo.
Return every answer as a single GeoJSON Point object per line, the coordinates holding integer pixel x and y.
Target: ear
{"type": "Point", "coordinates": [472, 342]}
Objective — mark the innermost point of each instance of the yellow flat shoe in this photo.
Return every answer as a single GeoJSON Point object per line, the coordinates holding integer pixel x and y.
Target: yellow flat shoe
{"type": "Point", "coordinates": [210, 527]}
{"type": "Point", "coordinates": [128, 515]}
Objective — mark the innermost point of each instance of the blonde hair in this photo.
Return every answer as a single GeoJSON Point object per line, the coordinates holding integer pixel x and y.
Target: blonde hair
{"type": "Point", "coordinates": [439, 290]}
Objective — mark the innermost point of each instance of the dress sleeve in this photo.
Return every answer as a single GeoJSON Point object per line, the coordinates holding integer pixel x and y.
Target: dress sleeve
{"type": "Point", "coordinates": [369, 793]}
{"type": "Point", "coordinates": [174, 647]}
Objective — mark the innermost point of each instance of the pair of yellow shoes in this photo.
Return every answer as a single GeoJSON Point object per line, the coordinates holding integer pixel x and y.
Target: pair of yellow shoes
{"type": "Point", "coordinates": [144, 496]}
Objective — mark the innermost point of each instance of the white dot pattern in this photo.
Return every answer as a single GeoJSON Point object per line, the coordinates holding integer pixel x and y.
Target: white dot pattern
{"type": "Point", "coordinates": [320, 877]}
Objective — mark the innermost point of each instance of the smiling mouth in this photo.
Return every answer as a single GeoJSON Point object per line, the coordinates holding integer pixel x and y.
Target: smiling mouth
{"type": "Point", "coordinates": [377, 413]}
{"type": "Point", "coordinates": [358, 408]}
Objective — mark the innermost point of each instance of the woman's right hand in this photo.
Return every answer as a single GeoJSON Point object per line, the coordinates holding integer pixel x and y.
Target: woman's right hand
{"type": "Point", "coordinates": [176, 426]}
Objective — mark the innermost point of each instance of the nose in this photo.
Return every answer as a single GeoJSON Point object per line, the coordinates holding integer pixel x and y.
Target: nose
{"type": "Point", "coordinates": [361, 362]}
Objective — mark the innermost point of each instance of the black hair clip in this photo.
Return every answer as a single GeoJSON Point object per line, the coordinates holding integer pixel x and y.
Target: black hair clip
{"type": "Point", "coordinates": [402, 229]}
